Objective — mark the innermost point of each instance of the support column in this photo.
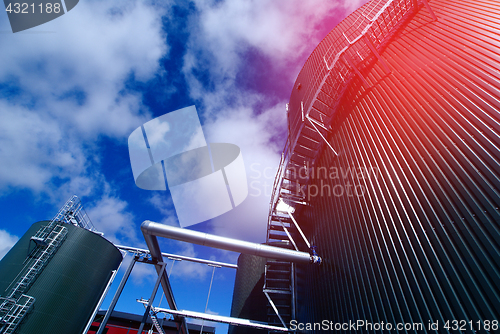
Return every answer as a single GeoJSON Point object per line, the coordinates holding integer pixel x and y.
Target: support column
{"type": "Point", "coordinates": [151, 299]}
{"type": "Point", "coordinates": [117, 295]}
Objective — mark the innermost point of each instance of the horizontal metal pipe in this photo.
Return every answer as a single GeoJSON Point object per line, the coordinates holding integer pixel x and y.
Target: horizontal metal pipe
{"type": "Point", "coordinates": [222, 319]}
{"type": "Point", "coordinates": [181, 257]}
{"type": "Point", "coordinates": [154, 229]}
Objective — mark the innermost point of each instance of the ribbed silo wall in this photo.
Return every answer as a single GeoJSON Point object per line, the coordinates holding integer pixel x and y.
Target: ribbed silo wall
{"type": "Point", "coordinates": [410, 231]}
{"type": "Point", "coordinates": [249, 301]}
{"type": "Point", "coordinates": [68, 289]}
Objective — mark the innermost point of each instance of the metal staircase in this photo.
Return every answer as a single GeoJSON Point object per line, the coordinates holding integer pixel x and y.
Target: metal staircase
{"type": "Point", "coordinates": [16, 305]}
{"type": "Point", "coordinates": [339, 59]}
{"type": "Point", "coordinates": [321, 84]}
{"type": "Point", "coordinates": [72, 212]}
{"type": "Point", "coordinates": [13, 312]}
{"type": "Point", "coordinates": [156, 323]}
{"type": "Point", "coordinates": [279, 275]}
{"type": "Point", "coordinates": [39, 258]}
{"type": "Point", "coordinates": [47, 240]}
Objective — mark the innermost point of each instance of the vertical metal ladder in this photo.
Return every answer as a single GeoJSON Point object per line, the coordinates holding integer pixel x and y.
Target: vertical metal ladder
{"type": "Point", "coordinates": [47, 240]}
{"type": "Point", "coordinates": [16, 305]}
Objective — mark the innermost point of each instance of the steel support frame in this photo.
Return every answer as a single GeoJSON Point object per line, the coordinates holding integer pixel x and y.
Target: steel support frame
{"type": "Point", "coordinates": [375, 52]}
{"type": "Point", "coordinates": [288, 234]}
{"type": "Point", "coordinates": [151, 230]}
{"type": "Point", "coordinates": [178, 257]}
{"type": "Point", "coordinates": [162, 277]}
{"type": "Point", "coordinates": [154, 249]}
{"type": "Point", "coordinates": [290, 213]}
{"type": "Point", "coordinates": [151, 299]}
{"type": "Point", "coordinates": [323, 137]}
{"type": "Point", "coordinates": [118, 292]}
{"type": "Point", "coordinates": [92, 317]}
{"type": "Point", "coordinates": [274, 308]}
{"type": "Point", "coordinates": [221, 319]}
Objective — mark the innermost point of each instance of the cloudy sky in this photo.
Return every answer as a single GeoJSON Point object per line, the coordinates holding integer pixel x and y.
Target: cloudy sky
{"type": "Point", "coordinates": [73, 90]}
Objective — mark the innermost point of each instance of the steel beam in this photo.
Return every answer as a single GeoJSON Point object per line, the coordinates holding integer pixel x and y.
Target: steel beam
{"type": "Point", "coordinates": [156, 255]}
{"type": "Point", "coordinates": [151, 299]}
{"type": "Point", "coordinates": [222, 319]}
{"type": "Point", "coordinates": [180, 257]}
{"type": "Point", "coordinates": [116, 296]}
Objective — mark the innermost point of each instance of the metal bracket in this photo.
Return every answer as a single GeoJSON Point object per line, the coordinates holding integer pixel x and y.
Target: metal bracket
{"type": "Point", "coordinates": [152, 298]}
{"type": "Point", "coordinates": [375, 52]}
{"type": "Point", "coordinates": [275, 309]}
{"type": "Point", "coordinates": [317, 130]}
{"type": "Point", "coordinates": [426, 4]}
{"type": "Point", "coordinates": [298, 229]}
{"type": "Point", "coordinates": [288, 234]}
{"type": "Point", "coordinates": [118, 292]}
{"type": "Point", "coordinates": [221, 319]}
{"type": "Point", "coordinates": [353, 66]}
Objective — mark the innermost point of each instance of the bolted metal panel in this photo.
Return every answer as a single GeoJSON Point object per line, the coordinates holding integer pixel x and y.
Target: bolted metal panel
{"type": "Point", "coordinates": [69, 287]}
{"type": "Point", "coordinates": [406, 216]}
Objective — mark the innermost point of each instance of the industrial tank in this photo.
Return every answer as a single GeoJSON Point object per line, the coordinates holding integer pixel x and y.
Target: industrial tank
{"type": "Point", "coordinates": [68, 288]}
{"type": "Point", "coordinates": [392, 166]}
{"type": "Point", "coordinates": [248, 298]}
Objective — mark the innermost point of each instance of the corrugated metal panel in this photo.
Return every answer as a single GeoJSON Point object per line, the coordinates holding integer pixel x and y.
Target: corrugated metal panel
{"type": "Point", "coordinates": [423, 240]}
{"type": "Point", "coordinates": [69, 287]}
{"type": "Point", "coordinates": [248, 299]}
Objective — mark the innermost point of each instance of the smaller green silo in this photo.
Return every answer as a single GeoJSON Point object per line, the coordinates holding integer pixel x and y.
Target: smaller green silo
{"type": "Point", "coordinates": [68, 287]}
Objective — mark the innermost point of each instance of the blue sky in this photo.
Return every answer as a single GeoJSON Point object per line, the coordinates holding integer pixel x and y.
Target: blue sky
{"type": "Point", "coordinates": [72, 91]}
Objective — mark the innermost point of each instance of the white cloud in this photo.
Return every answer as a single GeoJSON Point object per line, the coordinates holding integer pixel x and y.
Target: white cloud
{"type": "Point", "coordinates": [225, 35]}
{"type": "Point", "coordinates": [110, 216]}
{"type": "Point", "coordinates": [255, 135]}
{"type": "Point", "coordinates": [352, 5]}
{"type": "Point", "coordinates": [33, 149]}
{"type": "Point", "coordinates": [89, 55]}
{"type": "Point", "coordinates": [6, 242]}
{"type": "Point", "coordinates": [187, 269]}
{"type": "Point", "coordinates": [165, 206]}
{"type": "Point", "coordinates": [70, 88]}
{"type": "Point", "coordinates": [282, 30]}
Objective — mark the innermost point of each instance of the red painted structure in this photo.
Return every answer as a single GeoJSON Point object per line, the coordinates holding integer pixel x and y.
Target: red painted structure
{"type": "Point", "coordinates": [126, 323]}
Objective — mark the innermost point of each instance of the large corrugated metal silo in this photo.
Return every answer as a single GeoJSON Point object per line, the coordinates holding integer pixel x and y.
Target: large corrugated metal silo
{"type": "Point", "coordinates": [393, 167]}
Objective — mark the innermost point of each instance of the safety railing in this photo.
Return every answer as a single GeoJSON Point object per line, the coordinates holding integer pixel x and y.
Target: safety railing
{"type": "Point", "coordinates": [14, 315]}
{"type": "Point", "coordinates": [326, 75]}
